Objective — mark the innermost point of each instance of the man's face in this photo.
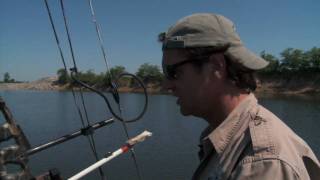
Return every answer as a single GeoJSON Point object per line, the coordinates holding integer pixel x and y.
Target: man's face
{"type": "Point", "coordinates": [186, 82]}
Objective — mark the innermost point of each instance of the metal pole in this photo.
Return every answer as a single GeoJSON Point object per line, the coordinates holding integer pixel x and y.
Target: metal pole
{"type": "Point", "coordinates": [68, 137]}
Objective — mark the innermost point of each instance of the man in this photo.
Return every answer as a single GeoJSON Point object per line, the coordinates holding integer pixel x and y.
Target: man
{"type": "Point", "coordinates": [210, 72]}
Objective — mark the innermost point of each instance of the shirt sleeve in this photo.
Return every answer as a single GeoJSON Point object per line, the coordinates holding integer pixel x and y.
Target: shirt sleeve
{"type": "Point", "coordinates": [271, 169]}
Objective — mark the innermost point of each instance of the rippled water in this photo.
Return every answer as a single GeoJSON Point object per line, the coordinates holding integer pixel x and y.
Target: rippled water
{"type": "Point", "coordinates": [170, 154]}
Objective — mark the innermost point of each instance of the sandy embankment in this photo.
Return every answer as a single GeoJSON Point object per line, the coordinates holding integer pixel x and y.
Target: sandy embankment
{"type": "Point", "coordinates": [295, 85]}
{"type": "Point", "coordinates": [45, 84]}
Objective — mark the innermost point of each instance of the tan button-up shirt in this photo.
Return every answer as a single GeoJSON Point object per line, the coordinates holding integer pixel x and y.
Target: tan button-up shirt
{"type": "Point", "coordinates": [252, 143]}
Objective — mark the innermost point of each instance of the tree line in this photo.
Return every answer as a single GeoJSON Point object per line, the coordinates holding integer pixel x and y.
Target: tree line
{"type": "Point", "coordinates": [7, 78]}
{"type": "Point", "coordinates": [148, 73]}
{"type": "Point", "coordinates": [291, 62]}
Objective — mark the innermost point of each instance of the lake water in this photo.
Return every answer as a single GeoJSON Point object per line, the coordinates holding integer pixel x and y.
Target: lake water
{"type": "Point", "coordinates": [170, 154]}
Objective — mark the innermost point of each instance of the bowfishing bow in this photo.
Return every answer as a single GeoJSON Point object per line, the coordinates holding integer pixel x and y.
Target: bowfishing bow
{"type": "Point", "coordinates": [18, 154]}
{"type": "Point", "coordinates": [15, 155]}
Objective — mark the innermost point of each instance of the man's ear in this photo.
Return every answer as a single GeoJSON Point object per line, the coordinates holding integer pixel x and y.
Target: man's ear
{"type": "Point", "coordinates": [218, 65]}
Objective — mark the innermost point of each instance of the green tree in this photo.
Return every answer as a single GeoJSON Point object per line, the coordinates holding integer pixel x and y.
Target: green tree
{"type": "Point", "coordinates": [294, 60]}
{"type": "Point", "coordinates": [89, 77]}
{"type": "Point", "coordinates": [115, 72]}
{"type": "Point", "coordinates": [99, 80]}
{"type": "Point", "coordinates": [313, 56]}
{"type": "Point", "coordinates": [63, 77]}
{"type": "Point", "coordinates": [150, 73]}
{"type": "Point", "coordinates": [6, 77]}
{"type": "Point", "coordinates": [273, 63]}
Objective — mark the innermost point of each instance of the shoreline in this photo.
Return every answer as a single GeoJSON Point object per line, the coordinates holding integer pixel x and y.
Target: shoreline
{"type": "Point", "coordinates": [265, 86]}
{"type": "Point", "coordinates": [261, 90]}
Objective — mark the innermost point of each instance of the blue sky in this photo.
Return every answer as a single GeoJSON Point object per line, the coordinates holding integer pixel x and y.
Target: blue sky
{"type": "Point", "coordinates": [129, 28]}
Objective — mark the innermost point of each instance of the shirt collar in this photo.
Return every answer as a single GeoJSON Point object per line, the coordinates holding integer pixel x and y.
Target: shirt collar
{"type": "Point", "coordinates": [221, 136]}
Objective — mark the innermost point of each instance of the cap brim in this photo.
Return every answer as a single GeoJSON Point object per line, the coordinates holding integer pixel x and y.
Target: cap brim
{"type": "Point", "coordinates": [245, 57]}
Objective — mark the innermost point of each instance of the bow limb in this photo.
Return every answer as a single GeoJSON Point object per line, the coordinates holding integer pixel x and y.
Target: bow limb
{"type": "Point", "coordinates": [10, 155]}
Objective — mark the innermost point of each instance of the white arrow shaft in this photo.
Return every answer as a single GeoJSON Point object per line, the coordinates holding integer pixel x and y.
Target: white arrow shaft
{"type": "Point", "coordinates": [96, 165]}
{"type": "Point", "coordinates": [130, 143]}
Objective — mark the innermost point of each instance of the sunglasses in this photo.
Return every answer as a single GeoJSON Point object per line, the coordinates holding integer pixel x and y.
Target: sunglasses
{"type": "Point", "coordinates": [170, 71]}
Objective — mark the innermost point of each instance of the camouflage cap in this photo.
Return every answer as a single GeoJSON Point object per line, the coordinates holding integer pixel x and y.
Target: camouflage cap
{"type": "Point", "coordinates": [211, 30]}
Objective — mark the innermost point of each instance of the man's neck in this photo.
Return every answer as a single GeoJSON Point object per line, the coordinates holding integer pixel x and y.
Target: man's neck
{"type": "Point", "coordinates": [227, 103]}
